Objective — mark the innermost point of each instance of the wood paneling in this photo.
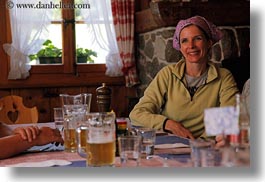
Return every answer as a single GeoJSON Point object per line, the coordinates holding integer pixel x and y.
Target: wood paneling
{"type": "Point", "coordinates": [4, 29]}
{"type": "Point", "coordinates": [45, 99]}
{"type": "Point", "coordinates": [168, 13]}
{"type": "Point", "coordinates": [43, 87]}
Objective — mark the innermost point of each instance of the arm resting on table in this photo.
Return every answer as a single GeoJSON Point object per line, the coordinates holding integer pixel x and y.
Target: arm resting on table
{"type": "Point", "coordinates": [12, 145]}
{"type": "Point", "coordinates": [15, 144]}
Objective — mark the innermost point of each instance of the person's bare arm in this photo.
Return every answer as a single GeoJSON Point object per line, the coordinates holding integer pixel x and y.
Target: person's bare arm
{"type": "Point", "coordinates": [5, 130]}
{"type": "Point", "coordinates": [178, 129]}
{"type": "Point", "coordinates": [12, 145]}
{"type": "Point", "coordinates": [15, 144]}
{"type": "Point", "coordinates": [27, 133]}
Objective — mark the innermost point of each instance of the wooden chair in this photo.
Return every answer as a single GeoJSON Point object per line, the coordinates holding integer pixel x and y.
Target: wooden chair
{"type": "Point", "coordinates": [13, 111]}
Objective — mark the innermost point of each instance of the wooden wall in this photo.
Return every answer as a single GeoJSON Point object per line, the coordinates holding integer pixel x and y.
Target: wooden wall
{"type": "Point", "coordinates": [154, 14]}
{"type": "Point", "coordinates": [43, 91]}
{"type": "Point", "coordinates": [47, 98]}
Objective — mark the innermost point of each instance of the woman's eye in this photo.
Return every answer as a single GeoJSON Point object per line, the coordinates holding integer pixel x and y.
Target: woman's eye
{"type": "Point", "coordinates": [183, 41]}
{"type": "Point", "coordinates": [198, 38]}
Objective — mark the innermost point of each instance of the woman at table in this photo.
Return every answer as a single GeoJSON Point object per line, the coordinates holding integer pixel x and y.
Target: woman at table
{"type": "Point", "coordinates": [176, 98]}
{"type": "Point", "coordinates": [15, 141]}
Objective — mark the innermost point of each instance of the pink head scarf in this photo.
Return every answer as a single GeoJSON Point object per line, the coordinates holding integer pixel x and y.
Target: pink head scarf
{"type": "Point", "coordinates": [210, 29]}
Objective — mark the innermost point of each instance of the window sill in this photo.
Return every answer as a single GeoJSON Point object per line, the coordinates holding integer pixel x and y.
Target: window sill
{"type": "Point", "coordinates": [56, 76]}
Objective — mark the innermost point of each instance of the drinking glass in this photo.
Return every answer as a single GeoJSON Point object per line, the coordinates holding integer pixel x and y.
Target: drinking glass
{"type": "Point", "coordinates": [196, 146]}
{"type": "Point", "coordinates": [58, 118]}
{"type": "Point", "coordinates": [74, 110]}
{"type": "Point", "coordinates": [100, 139]}
{"type": "Point", "coordinates": [148, 141]}
{"type": "Point", "coordinates": [130, 150]}
{"type": "Point", "coordinates": [86, 97]}
{"type": "Point", "coordinates": [211, 157]}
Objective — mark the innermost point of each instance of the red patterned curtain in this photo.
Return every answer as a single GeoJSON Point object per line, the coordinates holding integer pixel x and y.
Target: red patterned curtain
{"type": "Point", "coordinates": [123, 18]}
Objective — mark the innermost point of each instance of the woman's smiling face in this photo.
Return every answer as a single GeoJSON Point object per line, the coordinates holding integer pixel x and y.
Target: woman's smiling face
{"type": "Point", "coordinates": [194, 45]}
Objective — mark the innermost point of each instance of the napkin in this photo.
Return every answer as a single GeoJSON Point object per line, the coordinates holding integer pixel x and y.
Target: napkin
{"type": "Point", "coordinates": [171, 145]}
{"type": "Point", "coordinates": [221, 120]}
{"type": "Point", "coordinates": [46, 148]}
{"type": "Point", "coordinates": [48, 163]}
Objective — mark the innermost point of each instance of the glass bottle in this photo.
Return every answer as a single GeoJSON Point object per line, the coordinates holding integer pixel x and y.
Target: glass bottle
{"type": "Point", "coordinates": [237, 149]}
{"type": "Point", "coordinates": [243, 121]}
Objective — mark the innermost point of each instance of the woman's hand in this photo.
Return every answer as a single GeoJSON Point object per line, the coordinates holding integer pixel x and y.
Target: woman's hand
{"type": "Point", "coordinates": [27, 133]}
{"type": "Point", "coordinates": [178, 129]}
{"type": "Point", "coordinates": [220, 140]}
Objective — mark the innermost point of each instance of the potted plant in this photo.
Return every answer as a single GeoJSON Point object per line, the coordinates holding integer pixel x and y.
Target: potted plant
{"type": "Point", "coordinates": [84, 55]}
{"type": "Point", "coordinates": [49, 54]}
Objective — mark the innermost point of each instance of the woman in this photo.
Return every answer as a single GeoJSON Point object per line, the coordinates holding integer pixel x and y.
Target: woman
{"type": "Point", "coordinates": [15, 141]}
{"type": "Point", "coordinates": [175, 100]}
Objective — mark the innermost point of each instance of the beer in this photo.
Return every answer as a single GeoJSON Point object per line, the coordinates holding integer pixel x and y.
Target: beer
{"type": "Point", "coordinates": [99, 133]}
{"type": "Point", "coordinates": [100, 154]}
{"type": "Point", "coordinates": [83, 137]}
{"type": "Point", "coordinates": [70, 140]}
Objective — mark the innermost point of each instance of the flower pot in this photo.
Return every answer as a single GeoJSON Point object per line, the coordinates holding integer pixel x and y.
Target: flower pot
{"type": "Point", "coordinates": [82, 59]}
{"type": "Point", "coordinates": [50, 60]}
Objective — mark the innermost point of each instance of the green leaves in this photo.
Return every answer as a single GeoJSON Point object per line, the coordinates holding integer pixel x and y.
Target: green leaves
{"type": "Point", "coordinates": [81, 52]}
{"type": "Point", "coordinates": [49, 50]}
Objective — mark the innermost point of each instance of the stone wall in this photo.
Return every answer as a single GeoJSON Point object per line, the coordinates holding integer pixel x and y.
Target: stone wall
{"type": "Point", "coordinates": [155, 50]}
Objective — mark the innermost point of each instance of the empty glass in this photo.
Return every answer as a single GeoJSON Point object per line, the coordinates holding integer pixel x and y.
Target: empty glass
{"type": "Point", "coordinates": [58, 118]}
{"type": "Point", "coordinates": [196, 146]}
{"type": "Point", "coordinates": [148, 141]}
{"type": "Point", "coordinates": [130, 150]}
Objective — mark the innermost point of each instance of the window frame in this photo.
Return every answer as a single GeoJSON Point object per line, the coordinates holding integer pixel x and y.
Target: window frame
{"type": "Point", "coordinates": [68, 74]}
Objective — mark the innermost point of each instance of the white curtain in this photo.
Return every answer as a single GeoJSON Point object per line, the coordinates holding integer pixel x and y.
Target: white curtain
{"type": "Point", "coordinates": [28, 28]}
{"type": "Point", "coordinates": [101, 33]}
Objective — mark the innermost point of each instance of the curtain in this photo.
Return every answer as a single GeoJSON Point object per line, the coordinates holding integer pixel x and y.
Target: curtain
{"type": "Point", "coordinates": [123, 17]}
{"type": "Point", "coordinates": [101, 33]}
{"type": "Point", "coordinates": [28, 29]}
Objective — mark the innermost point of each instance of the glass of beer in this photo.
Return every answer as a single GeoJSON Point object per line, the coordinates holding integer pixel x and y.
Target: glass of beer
{"type": "Point", "coordinates": [81, 136]}
{"type": "Point", "coordinates": [100, 140]}
{"type": "Point", "coordinates": [74, 110]}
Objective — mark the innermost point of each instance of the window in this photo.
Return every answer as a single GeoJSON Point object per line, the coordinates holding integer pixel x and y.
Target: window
{"type": "Point", "coordinates": [86, 43]}
{"type": "Point", "coordinates": [68, 35]}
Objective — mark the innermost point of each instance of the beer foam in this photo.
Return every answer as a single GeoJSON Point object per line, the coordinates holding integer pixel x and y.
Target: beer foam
{"type": "Point", "coordinates": [101, 139]}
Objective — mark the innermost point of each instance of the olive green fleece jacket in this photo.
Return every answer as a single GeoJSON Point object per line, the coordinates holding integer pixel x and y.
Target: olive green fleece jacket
{"type": "Point", "coordinates": [166, 97]}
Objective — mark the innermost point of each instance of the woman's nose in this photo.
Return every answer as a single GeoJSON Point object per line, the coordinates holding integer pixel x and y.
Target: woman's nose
{"type": "Point", "coordinates": [191, 44]}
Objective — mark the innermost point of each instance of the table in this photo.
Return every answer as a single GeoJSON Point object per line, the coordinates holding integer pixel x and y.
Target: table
{"type": "Point", "coordinates": [160, 159]}
{"type": "Point", "coordinates": [169, 157]}
{"type": "Point", "coordinates": [177, 157]}
{"type": "Point", "coordinates": [180, 154]}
